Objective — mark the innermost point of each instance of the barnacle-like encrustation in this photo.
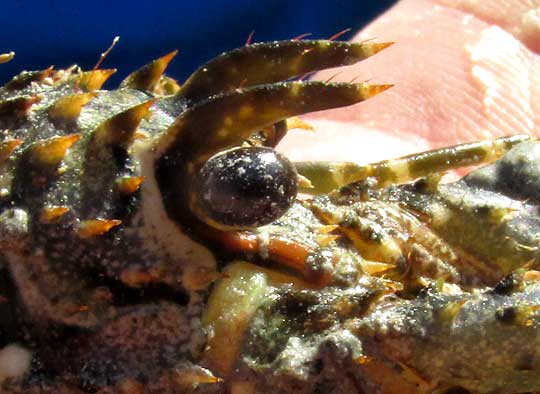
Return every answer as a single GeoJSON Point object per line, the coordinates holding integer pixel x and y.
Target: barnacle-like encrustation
{"type": "Point", "coordinates": [152, 241]}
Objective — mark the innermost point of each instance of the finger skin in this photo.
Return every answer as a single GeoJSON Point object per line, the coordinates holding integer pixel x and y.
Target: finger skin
{"type": "Point", "coordinates": [520, 18]}
{"type": "Point", "coordinates": [459, 76]}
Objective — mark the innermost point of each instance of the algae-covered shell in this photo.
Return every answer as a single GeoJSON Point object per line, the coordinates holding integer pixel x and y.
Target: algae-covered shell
{"type": "Point", "coordinates": [99, 218]}
{"type": "Point", "coordinates": [118, 275]}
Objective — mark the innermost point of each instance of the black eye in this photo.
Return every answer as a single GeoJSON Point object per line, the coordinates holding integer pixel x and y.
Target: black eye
{"type": "Point", "coordinates": [247, 187]}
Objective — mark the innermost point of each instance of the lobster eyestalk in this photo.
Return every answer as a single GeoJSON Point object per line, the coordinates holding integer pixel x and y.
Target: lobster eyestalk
{"type": "Point", "coordinates": [226, 121]}
{"type": "Point", "coordinates": [223, 123]}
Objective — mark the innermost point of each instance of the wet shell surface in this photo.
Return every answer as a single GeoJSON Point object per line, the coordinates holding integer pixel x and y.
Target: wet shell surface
{"type": "Point", "coordinates": [152, 241]}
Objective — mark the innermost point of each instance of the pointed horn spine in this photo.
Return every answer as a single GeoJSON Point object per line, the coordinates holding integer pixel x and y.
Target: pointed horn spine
{"type": "Point", "coordinates": [272, 62]}
{"type": "Point", "coordinates": [68, 108]}
{"type": "Point", "coordinates": [52, 214]}
{"type": "Point", "coordinates": [18, 106]}
{"type": "Point", "coordinates": [6, 57]}
{"type": "Point", "coordinates": [7, 147]}
{"type": "Point", "coordinates": [90, 81]}
{"type": "Point", "coordinates": [26, 78]}
{"type": "Point", "coordinates": [147, 77]}
{"type": "Point", "coordinates": [230, 118]}
{"type": "Point", "coordinates": [120, 129]}
{"type": "Point", "coordinates": [95, 227]}
{"type": "Point", "coordinates": [129, 184]}
{"type": "Point", "coordinates": [50, 152]}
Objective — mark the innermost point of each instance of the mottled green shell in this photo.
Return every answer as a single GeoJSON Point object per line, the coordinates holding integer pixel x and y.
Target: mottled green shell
{"type": "Point", "coordinates": [114, 279]}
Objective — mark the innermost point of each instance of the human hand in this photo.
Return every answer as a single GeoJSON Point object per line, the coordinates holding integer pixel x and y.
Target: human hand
{"type": "Point", "coordinates": [462, 71]}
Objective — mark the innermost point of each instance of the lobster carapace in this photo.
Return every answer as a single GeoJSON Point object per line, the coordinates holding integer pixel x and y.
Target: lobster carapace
{"type": "Point", "coordinates": [153, 241]}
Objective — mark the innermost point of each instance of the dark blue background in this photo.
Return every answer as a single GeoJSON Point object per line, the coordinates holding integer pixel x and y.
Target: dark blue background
{"type": "Point", "coordinates": [44, 32]}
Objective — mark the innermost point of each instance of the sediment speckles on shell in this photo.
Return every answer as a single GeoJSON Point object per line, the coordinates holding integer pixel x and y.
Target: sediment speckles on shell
{"type": "Point", "coordinates": [116, 278]}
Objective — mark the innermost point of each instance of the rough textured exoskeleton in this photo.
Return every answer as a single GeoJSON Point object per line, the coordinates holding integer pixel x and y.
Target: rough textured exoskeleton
{"type": "Point", "coordinates": [152, 241]}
